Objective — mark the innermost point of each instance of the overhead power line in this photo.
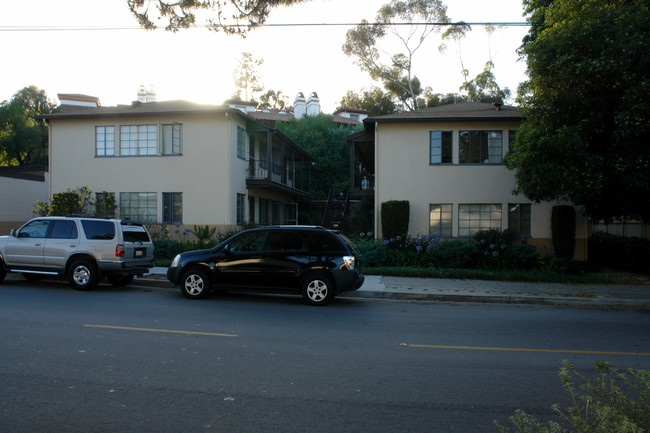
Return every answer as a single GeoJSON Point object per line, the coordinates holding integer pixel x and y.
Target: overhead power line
{"type": "Point", "coordinates": [116, 28]}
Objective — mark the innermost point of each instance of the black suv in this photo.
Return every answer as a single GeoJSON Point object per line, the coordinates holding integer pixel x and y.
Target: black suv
{"type": "Point", "coordinates": [313, 261]}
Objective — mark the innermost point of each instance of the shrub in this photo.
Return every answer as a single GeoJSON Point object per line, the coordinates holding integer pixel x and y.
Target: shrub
{"type": "Point", "coordinates": [457, 254]}
{"type": "Point", "coordinates": [504, 250]}
{"type": "Point", "coordinates": [373, 254]}
{"type": "Point", "coordinates": [394, 218]}
{"type": "Point", "coordinates": [563, 229]}
{"type": "Point", "coordinates": [613, 401]}
{"type": "Point", "coordinates": [626, 254]}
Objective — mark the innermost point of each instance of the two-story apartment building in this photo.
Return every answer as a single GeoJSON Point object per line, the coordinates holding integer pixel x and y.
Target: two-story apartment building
{"type": "Point", "coordinates": [180, 163]}
{"type": "Point", "coordinates": [447, 161]}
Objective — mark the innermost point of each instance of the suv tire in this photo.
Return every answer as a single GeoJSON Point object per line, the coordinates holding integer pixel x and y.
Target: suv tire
{"type": "Point", "coordinates": [317, 289]}
{"type": "Point", "coordinates": [3, 273]}
{"type": "Point", "coordinates": [83, 275]}
{"type": "Point", "coordinates": [195, 284]}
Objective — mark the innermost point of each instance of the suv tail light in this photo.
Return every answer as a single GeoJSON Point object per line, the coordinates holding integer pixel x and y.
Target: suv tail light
{"type": "Point", "coordinates": [349, 262]}
{"type": "Point", "coordinates": [119, 250]}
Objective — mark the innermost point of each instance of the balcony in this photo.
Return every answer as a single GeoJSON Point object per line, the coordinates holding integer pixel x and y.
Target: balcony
{"type": "Point", "coordinates": [291, 177]}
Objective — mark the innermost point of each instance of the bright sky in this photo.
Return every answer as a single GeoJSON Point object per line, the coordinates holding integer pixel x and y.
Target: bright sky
{"type": "Point", "coordinates": [197, 64]}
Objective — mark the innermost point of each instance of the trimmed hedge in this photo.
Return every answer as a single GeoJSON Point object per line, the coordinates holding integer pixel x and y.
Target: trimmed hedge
{"type": "Point", "coordinates": [621, 253]}
{"type": "Point", "coordinates": [394, 218]}
{"type": "Point", "coordinates": [563, 229]}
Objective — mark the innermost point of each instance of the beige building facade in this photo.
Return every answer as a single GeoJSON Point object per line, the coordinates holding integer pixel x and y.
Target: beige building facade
{"type": "Point", "coordinates": [447, 162]}
{"type": "Point", "coordinates": [179, 163]}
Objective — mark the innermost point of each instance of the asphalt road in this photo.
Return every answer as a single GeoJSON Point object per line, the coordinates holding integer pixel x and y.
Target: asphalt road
{"type": "Point", "coordinates": [147, 360]}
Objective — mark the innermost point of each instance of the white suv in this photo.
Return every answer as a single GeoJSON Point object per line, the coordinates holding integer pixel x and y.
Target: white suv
{"type": "Point", "coordinates": [83, 249]}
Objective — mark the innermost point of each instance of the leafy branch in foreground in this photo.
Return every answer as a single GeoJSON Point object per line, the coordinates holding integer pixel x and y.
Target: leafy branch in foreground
{"type": "Point", "coordinates": [612, 402]}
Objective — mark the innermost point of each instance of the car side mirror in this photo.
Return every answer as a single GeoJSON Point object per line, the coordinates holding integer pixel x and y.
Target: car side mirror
{"type": "Point", "coordinates": [13, 232]}
{"type": "Point", "coordinates": [226, 250]}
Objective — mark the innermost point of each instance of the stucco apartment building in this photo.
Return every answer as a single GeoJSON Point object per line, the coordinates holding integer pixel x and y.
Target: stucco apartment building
{"type": "Point", "coordinates": [447, 161]}
{"type": "Point", "coordinates": [178, 162]}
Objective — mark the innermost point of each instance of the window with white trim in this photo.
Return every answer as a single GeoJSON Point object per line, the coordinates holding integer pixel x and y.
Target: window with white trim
{"type": "Point", "coordinates": [241, 142]}
{"type": "Point", "coordinates": [104, 141]}
{"type": "Point", "coordinates": [139, 206]}
{"type": "Point", "coordinates": [440, 147]}
{"type": "Point", "coordinates": [473, 218]}
{"type": "Point", "coordinates": [519, 216]}
{"type": "Point", "coordinates": [138, 140]}
{"type": "Point", "coordinates": [241, 200]}
{"type": "Point", "coordinates": [172, 207]}
{"type": "Point", "coordinates": [480, 147]}
{"type": "Point", "coordinates": [440, 220]}
{"type": "Point", "coordinates": [171, 139]}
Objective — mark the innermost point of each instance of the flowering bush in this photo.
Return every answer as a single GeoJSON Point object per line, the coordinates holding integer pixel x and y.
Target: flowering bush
{"type": "Point", "coordinates": [504, 250]}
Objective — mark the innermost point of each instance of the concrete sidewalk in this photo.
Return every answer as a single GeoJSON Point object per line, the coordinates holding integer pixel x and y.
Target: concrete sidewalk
{"type": "Point", "coordinates": [447, 290]}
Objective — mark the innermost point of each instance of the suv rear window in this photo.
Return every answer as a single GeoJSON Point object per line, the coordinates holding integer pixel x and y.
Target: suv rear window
{"type": "Point", "coordinates": [95, 229]}
{"type": "Point", "coordinates": [324, 241]}
{"type": "Point", "coordinates": [135, 234]}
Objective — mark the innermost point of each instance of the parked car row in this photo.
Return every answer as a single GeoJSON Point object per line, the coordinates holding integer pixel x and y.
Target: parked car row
{"type": "Point", "coordinates": [312, 261]}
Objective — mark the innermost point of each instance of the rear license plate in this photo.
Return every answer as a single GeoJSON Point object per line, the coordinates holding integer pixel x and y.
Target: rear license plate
{"type": "Point", "coordinates": [139, 252]}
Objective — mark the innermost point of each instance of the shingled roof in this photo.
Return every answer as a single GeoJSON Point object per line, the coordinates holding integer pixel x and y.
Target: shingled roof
{"type": "Point", "coordinates": [461, 111]}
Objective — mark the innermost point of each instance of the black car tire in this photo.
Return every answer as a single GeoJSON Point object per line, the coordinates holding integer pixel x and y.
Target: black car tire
{"type": "Point", "coordinates": [317, 289]}
{"type": "Point", "coordinates": [120, 280]}
{"type": "Point", "coordinates": [33, 277]}
{"type": "Point", "coordinates": [195, 284]}
{"type": "Point", "coordinates": [83, 275]}
{"type": "Point", "coordinates": [3, 273]}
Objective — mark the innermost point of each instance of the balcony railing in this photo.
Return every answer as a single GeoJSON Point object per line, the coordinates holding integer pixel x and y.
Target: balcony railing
{"type": "Point", "coordinates": [283, 175]}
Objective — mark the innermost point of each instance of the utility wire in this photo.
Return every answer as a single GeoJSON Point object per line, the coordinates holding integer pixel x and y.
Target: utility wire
{"type": "Point", "coordinates": [117, 28]}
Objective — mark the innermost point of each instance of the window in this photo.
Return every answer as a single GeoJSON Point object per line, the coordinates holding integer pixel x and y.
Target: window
{"type": "Point", "coordinates": [519, 218]}
{"type": "Point", "coordinates": [63, 229]}
{"type": "Point", "coordinates": [248, 242]}
{"type": "Point", "coordinates": [251, 209]}
{"type": "Point", "coordinates": [286, 241]}
{"type": "Point", "coordinates": [34, 229]}
{"type": "Point", "coordinates": [354, 117]}
{"type": "Point", "coordinates": [98, 229]}
{"type": "Point", "coordinates": [440, 147]}
{"type": "Point", "coordinates": [241, 199]}
{"type": "Point", "coordinates": [171, 139]}
{"type": "Point", "coordinates": [241, 142]}
{"type": "Point", "coordinates": [138, 140]}
{"type": "Point", "coordinates": [104, 141]}
{"type": "Point", "coordinates": [440, 220]}
{"type": "Point", "coordinates": [138, 206]}
{"type": "Point", "coordinates": [480, 147]}
{"type": "Point", "coordinates": [105, 204]}
{"type": "Point", "coordinates": [275, 212]}
{"type": "Point", "coordinates": [172, 207]}
{"type": "Point", "coordinates": [476, 217]}
{"type": "Point", "coordinates": [264, 216]}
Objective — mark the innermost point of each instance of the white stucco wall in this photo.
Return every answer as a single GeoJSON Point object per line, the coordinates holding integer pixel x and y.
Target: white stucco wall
{"type": "Point", "coordinates": [403, 172]}
{"type": "Point", "coordinates": [18, 199]}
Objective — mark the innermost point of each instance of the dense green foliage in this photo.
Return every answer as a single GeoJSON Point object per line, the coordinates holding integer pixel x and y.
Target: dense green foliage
{"type": "Point", "coordinates": [376, 101]}
{"type": "Point", "coordinates": [586, 132]}
{"type": "Point", "coordinates": [78, 201]}
{"type": "Point", "coordinates": [630, 254]}
{"type": "Point", "coordinates": [326, 142]}
{"type": "Point", "coordinates": [563, 229]}
{"type": "Point", "coordinates": [395, 218]}
{"type": "Point", "coordinates": [23, 140]}
{"type": "Point", "coordinates": [611, 401]}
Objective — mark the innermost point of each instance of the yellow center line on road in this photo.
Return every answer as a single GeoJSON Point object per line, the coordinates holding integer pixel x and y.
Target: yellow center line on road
{"type": "Point", "coordinates": [506, 349]}
{"type": "Point", "coordinates": [166, 331]}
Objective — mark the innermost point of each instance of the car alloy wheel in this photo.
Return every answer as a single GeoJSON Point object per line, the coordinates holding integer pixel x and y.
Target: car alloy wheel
{"type": "Point", "coordinates": [83, 275]}
{"type": "Point", "coordinates": [317, 289]}
{"type": "Point", "coordinates": [195, 284]}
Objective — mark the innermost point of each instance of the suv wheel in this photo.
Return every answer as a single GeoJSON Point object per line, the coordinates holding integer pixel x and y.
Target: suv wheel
{"type": "Point", "coordinates": [83, 275]}
{"type": "Point", "coordinates": [2, 273]}
{"type": "Point", "coordinates": [317, 289]}
{"type": "Point", "coordinates": [120, 280]}
{"type": "Point", "coordinates": [195, 284]}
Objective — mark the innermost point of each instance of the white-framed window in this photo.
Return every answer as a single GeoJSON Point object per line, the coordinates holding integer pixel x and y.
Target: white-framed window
{"type": "Point", "coordinates": [104, 140]}
{"type": "Point", "coordinates": [476, 217]}
{"type": "Point", "coordinates": [241, 200]}
{"type": "Point", "coordinates": [138, 140]}
{"type": "Point", "coordinates": [172, 139]}
{"type": "Point", "coordinates": [440, 147]}
{"type": "Point", "coordinates": [519, 218]}
{"type": "Point", "coordinates": [480, 147]}
{"type": "Point", "coordinates": [241, 142]}
{"type": "Point", "coordinates": [140, 206]}
{"type": "Point", "coordinates": [440, 220]}
{"type": "Point", "coordinates": [172, 207]}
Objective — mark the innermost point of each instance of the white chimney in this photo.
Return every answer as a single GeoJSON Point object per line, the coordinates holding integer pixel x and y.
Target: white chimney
{"type": "Point", "coordinates": [299, 107]}
{"type": "Point", "coordinates": [151, 93]}
{"type": "Point", "coordinates": [142, 94]}
{"type": "Point", "coordinates": [313, 105]}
